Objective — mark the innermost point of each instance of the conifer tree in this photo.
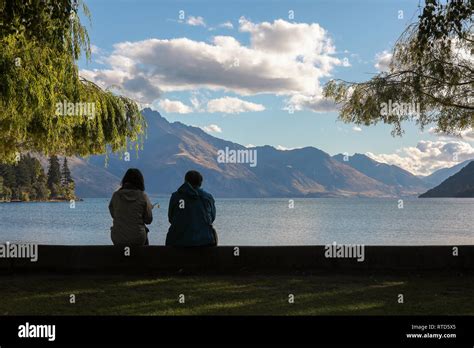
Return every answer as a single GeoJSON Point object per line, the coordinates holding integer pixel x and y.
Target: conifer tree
{"type": "Point", "coordinates": [54, 177]}
{"type": "Point", "coordinates": [66, 177]}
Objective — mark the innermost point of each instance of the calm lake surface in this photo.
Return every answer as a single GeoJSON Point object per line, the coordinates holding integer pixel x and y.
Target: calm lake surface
{"type": "Point", "coordinates": [260, 222]}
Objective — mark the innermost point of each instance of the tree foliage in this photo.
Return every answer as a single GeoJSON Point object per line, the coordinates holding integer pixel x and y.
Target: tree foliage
{"type": "Point", "coordinates": [54, 176]}
{"type": "Point", "coordinates": [66, 177]}
{"type": "Point", "coordinates": [432, 67]}
{"type": "Point", "coordinates": [23, 181]}
{"type": "Point", "coordinates": [27, 181]}
{"type": "Point", "coordinates": [40, 43]}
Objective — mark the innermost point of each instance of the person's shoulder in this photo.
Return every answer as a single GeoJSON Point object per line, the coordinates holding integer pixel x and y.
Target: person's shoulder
{"type": "Point", "coordinates": [145, 196]}
{"type": "Point", "coordinates": [175, 194]}
{"type": "Point", "coordinates": [206, 195]}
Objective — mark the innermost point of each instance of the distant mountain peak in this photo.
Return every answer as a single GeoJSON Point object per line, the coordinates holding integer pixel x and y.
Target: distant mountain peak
{"type": "Point", "coordinates": [404, 182]}
{"type": "Point", "coordinates": [438, 176]}
{"type": "Point", "coordinates": [171, 149]}
{"type": "Point", "coordinates": [460, 184]}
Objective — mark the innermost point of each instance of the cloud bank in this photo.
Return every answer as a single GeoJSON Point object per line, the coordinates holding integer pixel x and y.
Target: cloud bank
{"type": "Point", "coordinates": [212, 128]}
{"type": "Point", "coordinates": [428, 156]}
{"type": "Point", "coordinates": [282, 58]}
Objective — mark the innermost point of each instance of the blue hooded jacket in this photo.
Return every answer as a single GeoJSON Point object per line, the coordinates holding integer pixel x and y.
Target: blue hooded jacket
{"type": "Point", "coordinates": [191, 213]}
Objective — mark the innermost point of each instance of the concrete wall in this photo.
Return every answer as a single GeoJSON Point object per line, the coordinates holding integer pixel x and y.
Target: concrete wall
{"type": "Point", "coordinates": [251, 259]}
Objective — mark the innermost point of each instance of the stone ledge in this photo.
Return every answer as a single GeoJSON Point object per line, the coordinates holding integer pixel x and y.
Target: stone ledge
{"type": "Point", "coordinates": [58, 258]}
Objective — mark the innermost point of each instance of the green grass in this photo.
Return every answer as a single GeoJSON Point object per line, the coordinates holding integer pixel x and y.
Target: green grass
{"type": "Point", "coordinates": [237, 295]}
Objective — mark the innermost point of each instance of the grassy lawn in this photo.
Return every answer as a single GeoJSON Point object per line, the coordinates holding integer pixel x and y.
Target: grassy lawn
{"type": "Point", "coordinates": [236, 295]}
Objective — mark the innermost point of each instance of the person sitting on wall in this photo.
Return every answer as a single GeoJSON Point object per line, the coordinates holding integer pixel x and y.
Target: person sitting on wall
{"type": "Point", "coordinates": [131, 210]}
{"type": "Point", "coordinates": [191, 213]}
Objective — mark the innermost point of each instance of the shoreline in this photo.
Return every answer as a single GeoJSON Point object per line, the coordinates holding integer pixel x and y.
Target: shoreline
{"type": "Point", "coordinates": [47, 201]}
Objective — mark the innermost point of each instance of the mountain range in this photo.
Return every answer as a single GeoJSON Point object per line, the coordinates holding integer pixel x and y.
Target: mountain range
{"type": "Point", "coordinates": [460, 184]}
{"type": "Point", "coordinates": [403, 181]}
{"type": "Point", "coordinates": [442, 174]}
{"type": "Point", "coordinates": [171, 149]}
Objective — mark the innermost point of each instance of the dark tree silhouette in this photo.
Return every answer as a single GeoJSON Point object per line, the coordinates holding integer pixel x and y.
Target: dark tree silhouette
{"type": "Point", "coordinates": [54, 177]}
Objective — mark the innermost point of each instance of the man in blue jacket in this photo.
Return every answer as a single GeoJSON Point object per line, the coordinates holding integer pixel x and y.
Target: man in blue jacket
{"type": "Point", "coordinates": [191, 213]}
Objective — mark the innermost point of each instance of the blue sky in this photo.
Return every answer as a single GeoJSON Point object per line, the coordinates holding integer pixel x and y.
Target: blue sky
{"type": "Point", "coordinates": [243, 85]}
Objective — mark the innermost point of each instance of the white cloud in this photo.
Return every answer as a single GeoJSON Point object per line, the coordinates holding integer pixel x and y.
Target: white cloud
{"type": "Point", "coordinates": [283, 58]}
{"type": "Point", "coordinates": [227, 25]}
{"type": "Point", "coordinates": [316, 103]}
{"type": "Point", "coordinates": [196, 21]}
{"type": "Point", "coordinates": [196, 103]}
{"type": "Point", "coordinates": [467, 134]}
{"type": "Point", "coordinates": [382, 61]}
{"type": "Point", "coordinates": [250, 146]}
{"type": "Point", "coordinates": [284, 148]}
{"type": "Point", "coordinates": [428, 156]}
{"type": "Point", "coordinates": [357, 129]}
{"type": "Point", "coordinates": [135, 86]}
{"type": "Point", "coordinates": [174, 106]}
{"type": "Point", "coordinates": [306, 42]}
{"type": "Point", "coordinates": [231, 105]}
{"type": "Point", "coordinates": [98, 54]}
{"type": "Point", "coordinates": [95, 49]}
{"type": "Point", "coordinates": [212, 128]}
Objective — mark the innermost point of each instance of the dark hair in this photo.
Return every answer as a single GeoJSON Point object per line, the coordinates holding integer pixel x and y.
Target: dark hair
{"type": "Point", "coordinates": [133, 179]}
{"type": "Point", "coordinates": [194, 178]}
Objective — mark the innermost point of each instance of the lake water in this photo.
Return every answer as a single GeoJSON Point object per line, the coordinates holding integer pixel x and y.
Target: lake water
{"type": "Point", "coordinates": [260, 222]}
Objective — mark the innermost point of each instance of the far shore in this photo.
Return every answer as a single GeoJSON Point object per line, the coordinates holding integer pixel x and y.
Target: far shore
{"type": "Point", "coordinates": [44, 201]}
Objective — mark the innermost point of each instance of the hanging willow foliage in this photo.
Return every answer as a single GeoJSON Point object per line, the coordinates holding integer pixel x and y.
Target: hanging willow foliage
{"type": "Point", "coordinates": [431, 66]}
{"type": "Point", "coordinates": [40, 43]}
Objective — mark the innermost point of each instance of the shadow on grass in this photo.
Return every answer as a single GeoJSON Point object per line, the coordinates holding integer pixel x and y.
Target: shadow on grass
{"type": "Point", "coordinates": [240, 295]}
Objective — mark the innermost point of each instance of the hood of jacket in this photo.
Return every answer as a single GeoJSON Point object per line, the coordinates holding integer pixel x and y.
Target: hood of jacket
{"type": "Point", "coordinates": [129, 194]}
{"type": "Point", "coordinates": [188, 191]}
